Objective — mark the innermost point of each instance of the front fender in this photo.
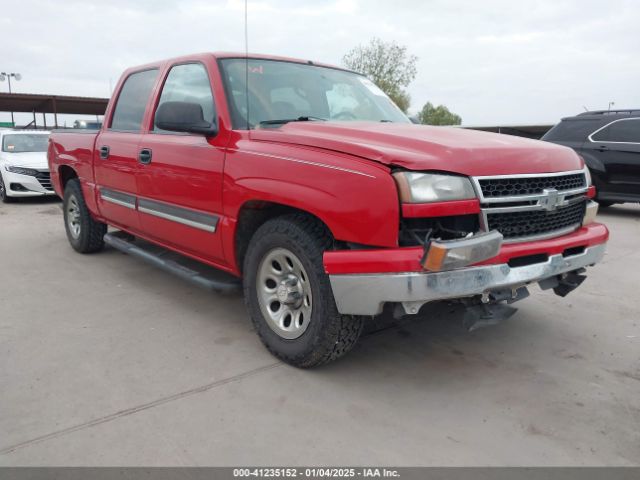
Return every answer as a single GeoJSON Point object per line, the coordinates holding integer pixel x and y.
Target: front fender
{"type": "Point", "coordinates": [356, 199]}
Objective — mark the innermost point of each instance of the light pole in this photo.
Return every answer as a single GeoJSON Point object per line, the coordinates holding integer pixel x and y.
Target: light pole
{"type": "Point", "coordinates": [8, 76]}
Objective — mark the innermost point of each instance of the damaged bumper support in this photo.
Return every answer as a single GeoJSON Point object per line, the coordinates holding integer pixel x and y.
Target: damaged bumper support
{"type": "Point", "coordinates": [366, 294]}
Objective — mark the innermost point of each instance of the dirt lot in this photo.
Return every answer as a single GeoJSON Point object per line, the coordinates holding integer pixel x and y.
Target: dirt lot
{"type": "Point", "coordinates": [106, 361]}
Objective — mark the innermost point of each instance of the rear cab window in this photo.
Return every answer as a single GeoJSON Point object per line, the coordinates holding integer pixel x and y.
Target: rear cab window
{"type": "Point", "coordinates": [132, 101]}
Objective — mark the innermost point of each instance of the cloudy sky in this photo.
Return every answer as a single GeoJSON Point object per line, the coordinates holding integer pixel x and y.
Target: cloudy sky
{"type": "Point", "coordinates": [493, 62]}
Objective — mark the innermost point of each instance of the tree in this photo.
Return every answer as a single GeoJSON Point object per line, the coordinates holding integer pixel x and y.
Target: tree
{"type": "Point", "coordinates": [388, 65]}
{"type": "Point", "coordinates": [440, 115]}
{"type": "Point", "coordinates": [402, 99]}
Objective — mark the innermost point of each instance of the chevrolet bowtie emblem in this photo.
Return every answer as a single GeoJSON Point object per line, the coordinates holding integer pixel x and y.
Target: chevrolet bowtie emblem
{"type": "Point", "coordinates": [551, 200]}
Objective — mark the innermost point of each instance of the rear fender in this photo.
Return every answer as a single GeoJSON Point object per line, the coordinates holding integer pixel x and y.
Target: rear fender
{"type": "Point", "coordinates": [78, 159]}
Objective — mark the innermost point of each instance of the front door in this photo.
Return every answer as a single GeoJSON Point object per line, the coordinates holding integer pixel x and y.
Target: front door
{"type": "Point", "coordinates": [116, 161]}
{"type": "Point", "coordinates": [180, 185]}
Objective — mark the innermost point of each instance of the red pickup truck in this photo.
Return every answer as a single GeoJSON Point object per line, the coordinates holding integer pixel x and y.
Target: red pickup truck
{"type": "Point", "coordinates": [304, 183]}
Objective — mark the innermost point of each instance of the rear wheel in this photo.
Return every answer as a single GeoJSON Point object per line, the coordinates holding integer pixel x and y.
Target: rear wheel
{"type": "Point", "coordinates": [84, 233]}
{"type": "Point", "coordinates": [289, 297]}
{"type": "Point", "coordinates": [604, 204]}
{"type": "Point", "coordinates": [4, 195]}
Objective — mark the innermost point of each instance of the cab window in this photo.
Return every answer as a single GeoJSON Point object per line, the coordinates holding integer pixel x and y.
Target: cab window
{"type": "Point", "coordinates": [188, 83]}
{"type": "Point", "coordinates": [132, 101]}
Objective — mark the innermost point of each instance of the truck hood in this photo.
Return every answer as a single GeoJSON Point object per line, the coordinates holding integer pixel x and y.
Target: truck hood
{"type": "Point", "coordinates": [36, 160]}
{"type": "Point", "coordinates": [421, 147]}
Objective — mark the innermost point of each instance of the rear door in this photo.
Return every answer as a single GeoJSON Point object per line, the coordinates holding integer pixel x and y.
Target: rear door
{"type": "Point", "coordinates": [180, 187]}
{"type": "Point", "coordinates": [116, 158]}
{"type": "Point", "coordinates": [617, 146]}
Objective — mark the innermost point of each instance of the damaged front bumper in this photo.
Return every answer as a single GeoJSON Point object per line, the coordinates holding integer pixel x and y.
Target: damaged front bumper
{"type": "Point", "coordinates": [366, 293]}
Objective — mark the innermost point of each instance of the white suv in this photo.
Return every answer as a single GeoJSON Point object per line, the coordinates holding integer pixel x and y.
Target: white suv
{"type": "Point", "coordinates": [24, 171]}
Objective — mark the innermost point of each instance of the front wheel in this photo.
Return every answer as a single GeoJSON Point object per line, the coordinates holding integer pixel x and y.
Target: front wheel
{"type": "Point", "coordinates": [289, 297]}
{"type": "Point", "coordinates": [84, 233]}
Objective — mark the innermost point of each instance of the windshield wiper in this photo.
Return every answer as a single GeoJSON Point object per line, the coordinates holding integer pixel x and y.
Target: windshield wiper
{"type": "Point", "coordinates": [282, 121]}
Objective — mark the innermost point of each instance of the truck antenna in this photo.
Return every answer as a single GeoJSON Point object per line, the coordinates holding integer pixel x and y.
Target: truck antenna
{"type": "Point", "coordinates": [246, 59]}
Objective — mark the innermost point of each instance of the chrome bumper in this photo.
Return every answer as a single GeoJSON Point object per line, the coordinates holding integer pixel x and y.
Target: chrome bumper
{"type": "Point", "coordinates": [366, 294]}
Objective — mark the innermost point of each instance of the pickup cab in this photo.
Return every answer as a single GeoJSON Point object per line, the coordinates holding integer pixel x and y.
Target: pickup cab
{"type": "Point", "coordinates": [307, 186]}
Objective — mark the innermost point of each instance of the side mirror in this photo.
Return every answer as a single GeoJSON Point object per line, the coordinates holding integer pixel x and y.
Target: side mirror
{"type": "Point", "coordinates": [415, 120]}
{"type": "Point", "coordinates": [183, 117]}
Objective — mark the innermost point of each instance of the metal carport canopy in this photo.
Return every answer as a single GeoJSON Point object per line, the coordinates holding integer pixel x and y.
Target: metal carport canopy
{"type": "Point", "coordinates": [27, 102]}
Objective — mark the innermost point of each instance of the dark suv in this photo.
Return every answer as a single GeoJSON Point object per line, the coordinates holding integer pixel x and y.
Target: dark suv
{"type": "Point", "coordinates": [609, 141]}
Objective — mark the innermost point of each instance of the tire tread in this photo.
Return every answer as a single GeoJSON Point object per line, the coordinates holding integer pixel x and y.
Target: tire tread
{"type": "Point", "coordinates": [340, 332]}
{"type": "Point", "coordinates": [92, 232]}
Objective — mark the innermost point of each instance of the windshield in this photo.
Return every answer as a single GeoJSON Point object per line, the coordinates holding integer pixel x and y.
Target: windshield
{"type": "Point", "coordinates": [287, 91]}
{"type": "Point", "coordinates": [24, 143]}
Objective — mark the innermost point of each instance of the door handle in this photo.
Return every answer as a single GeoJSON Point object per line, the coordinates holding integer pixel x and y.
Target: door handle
{"type": "Point", "coordinates": [602, 148]}
{"type": "Point", "coordinates": [144, 156]}
{"type": "Point", "coordinates": [104, 152]}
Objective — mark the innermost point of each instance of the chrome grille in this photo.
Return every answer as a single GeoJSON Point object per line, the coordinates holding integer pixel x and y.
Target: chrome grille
{"type": "Point", "coordinates": [512, 186]}
{"type": "Point", "coordinates": [530, 223]}
{"type": "Point", "coordinates": [528, 207]}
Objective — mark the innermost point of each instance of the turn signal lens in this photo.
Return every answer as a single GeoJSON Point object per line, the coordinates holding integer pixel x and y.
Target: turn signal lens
{"type": "Point", "coordinates": [450, 254]}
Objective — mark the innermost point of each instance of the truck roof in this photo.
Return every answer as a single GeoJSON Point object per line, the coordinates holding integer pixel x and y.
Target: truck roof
{"type": "Point", "coordinates": [220, 55]}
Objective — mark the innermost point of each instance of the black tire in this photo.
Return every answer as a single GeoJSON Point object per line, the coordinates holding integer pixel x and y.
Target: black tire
{"type": "Point", "coordinates": [3, 192]}
{"type": "Point", "coordinates": [89, 237]}
{"type": "Point", "coordinates": [329, 335]}
{"type": "Point", "coordinates": [604, 204]}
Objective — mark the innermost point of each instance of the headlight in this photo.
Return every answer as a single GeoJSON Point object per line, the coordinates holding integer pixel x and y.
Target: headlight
{"type": "Point", "coordinates": [23, 171]}
{"type": "Point", "coordinates": [417, 187]}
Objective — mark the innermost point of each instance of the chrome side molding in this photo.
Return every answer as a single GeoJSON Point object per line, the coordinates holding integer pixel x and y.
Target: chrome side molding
{"type": "Point", "coordinates": [203, 221]}
{"type": "Point", "coordinates": [200, 220]}
{"type": "Point", "coordinates": [118, 198]}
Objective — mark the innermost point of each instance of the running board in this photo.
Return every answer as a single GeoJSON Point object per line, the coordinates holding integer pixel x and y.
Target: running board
{"type": "Point", "coordinates": [195, 272]}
